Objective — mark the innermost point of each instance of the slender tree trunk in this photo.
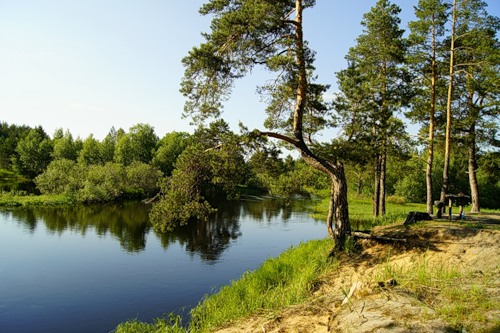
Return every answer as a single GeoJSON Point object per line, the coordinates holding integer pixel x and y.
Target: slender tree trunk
{"type": "Point", "coordinates": [338, 224]}
{"type": "Point", "coordinates": [359, 183]}
{"type": "Point", "coordinates": [383, 169]}
{"type": "Point", "coordinates": [432, 120]}
{"type": "Point", "coordinates": [376, 192]}
{"type": "Point", "coordinates": [383, 147]}
{"type": "Point", "coordinates": [428, 170]}
{"type": "Point", "coordinates": [474, 188]}
{"type": "Point", "coordinates": [444, 188]}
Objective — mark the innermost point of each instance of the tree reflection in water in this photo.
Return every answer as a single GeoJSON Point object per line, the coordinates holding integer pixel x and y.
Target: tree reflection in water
{"type": "Point", "coordinates": [209, 238]}
{"type": "Point", "coordinates": [128, 223]}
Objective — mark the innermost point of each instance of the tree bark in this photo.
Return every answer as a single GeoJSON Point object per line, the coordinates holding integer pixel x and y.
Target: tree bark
{"type": "Point", "coordinates": [338, 223]}
{"type": "Point", "coordinates": [432, 120]}
{"type": "Point", "coordinates": [383, 172]}
{"type": "Point", "coordinates": [474, 188]}
{"type": "Point", "coordinates": [341, 212]}
{"type": "Point", "coordinates": [376, 192]}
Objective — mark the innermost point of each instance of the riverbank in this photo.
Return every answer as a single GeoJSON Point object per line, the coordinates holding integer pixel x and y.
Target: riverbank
{"type": "Point", "coordinates": [443, 278]}
{"type": "Point", "coordinates": [10, 199]}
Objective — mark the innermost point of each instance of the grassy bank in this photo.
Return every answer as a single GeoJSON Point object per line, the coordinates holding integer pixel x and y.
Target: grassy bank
{"type": "Point", "coordinates": [13, 199]}
{"type": "Point", "coordinates": [280, 282]}
{"type": "Point", "coordinates": [360, 211]}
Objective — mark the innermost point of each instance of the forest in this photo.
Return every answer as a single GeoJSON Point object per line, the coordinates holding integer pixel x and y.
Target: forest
{"type": "Point", "coordinates": [442, 74]}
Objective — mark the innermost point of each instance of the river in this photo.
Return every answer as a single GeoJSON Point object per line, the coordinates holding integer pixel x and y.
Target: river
{"type": "Point", "coordinates": [86, 269]}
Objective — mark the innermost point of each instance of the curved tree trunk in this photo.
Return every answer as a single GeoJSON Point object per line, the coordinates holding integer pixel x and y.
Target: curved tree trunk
{"type": "Point", "coordinates": [338, 223]}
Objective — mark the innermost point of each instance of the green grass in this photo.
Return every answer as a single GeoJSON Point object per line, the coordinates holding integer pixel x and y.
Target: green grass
{"type": "Point", "coordinates": [15, 199]}
{"type": "Point", "coordinates": [361, 216]}
{"type": "Point", "coordinates": [280, 282]}
{"type": "Point", "coordinates": [172, 324]}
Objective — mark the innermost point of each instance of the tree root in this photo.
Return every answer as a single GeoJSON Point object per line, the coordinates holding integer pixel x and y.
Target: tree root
{"type": "Point", "coordinates": [363, 235]}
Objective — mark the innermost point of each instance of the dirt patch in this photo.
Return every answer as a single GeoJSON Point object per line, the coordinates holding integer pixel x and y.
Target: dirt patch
{"type": "Point", "coordinates": [402, 286]}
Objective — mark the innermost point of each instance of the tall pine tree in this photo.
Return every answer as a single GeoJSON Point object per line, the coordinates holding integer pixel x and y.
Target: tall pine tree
{"type": "Point", "coordinates": [426, 59]}
{"type": "Point", "coordinates": [477, 81]}
{"type": "Point", "coordinates": [376, 68]}
{"type": "Point", "coordinates": [249, 33]}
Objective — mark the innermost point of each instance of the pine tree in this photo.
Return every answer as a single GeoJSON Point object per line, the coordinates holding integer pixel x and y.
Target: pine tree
{"type": "Point", "coordinates": [249, 33]}
{"type": "Point", "coordinates": [426, 57]}
{"type": "Point", "coordinates": [376, 65]}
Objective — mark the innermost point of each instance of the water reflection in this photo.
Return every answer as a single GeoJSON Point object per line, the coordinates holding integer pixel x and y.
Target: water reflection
{"type": "Point", "coordinates": [128, 223]}
{"type": "Point", "coordinates": [210, 238]}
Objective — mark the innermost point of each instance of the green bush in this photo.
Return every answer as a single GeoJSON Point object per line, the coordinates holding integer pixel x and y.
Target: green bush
{"type": "Point", "coordinates": [142, 178]}
{"type": "Point", "coordinates": [103, 183]}
{"type": "Point", "coordinates": [61, 177]}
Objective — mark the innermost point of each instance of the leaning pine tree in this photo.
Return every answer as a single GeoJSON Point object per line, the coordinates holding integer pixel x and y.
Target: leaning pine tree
{"type": "Point", "coordinates": [268, 33]}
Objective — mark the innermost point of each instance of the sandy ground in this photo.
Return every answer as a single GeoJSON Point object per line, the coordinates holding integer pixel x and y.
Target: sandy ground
{"type": "Point", "coordinates": [353, 298]}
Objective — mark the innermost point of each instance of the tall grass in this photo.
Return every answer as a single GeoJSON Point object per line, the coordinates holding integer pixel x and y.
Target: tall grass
{"type": "Point", "coordinates": [280, 282]}
{"type": "Point", "coordinates": [172, 324]}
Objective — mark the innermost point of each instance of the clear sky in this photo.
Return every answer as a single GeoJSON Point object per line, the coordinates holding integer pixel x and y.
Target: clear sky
{"type": "Point", "coordinates": [88, 65]}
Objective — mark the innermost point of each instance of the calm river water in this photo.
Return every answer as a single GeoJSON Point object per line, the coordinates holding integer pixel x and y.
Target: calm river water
{"type": "Point", "coordinates": [87, 269]}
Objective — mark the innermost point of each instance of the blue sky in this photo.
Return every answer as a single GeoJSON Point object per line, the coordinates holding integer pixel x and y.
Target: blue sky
{"type": "Point", "coordinates": [88, 65]}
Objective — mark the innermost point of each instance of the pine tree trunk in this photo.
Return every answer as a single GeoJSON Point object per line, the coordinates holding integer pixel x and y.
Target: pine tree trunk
{"type": "Point", "coordinates": [474, 188]}
{"type": "Point", "coordinates": [340, 208]}
{"type": "Point", "coordinates": [428, 178]}
{"type": "Point", "coordinates": [376, 192]}
{"type": "Point", "coordinates": [432, 120]}
{"type": "Point", "coordinates": [338, 223]}
{"type": "Point", "coordinates": [383, 169]}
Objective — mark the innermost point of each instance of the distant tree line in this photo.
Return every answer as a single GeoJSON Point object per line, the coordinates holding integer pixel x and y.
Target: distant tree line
{"type": "Point", "coordinates": [215, 161]}
{"type": "Point", "coordinates": [190, 171]}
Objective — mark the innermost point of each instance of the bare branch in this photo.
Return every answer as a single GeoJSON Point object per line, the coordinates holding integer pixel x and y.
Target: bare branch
{"type": "Point", "coordinates": [282, 137]}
